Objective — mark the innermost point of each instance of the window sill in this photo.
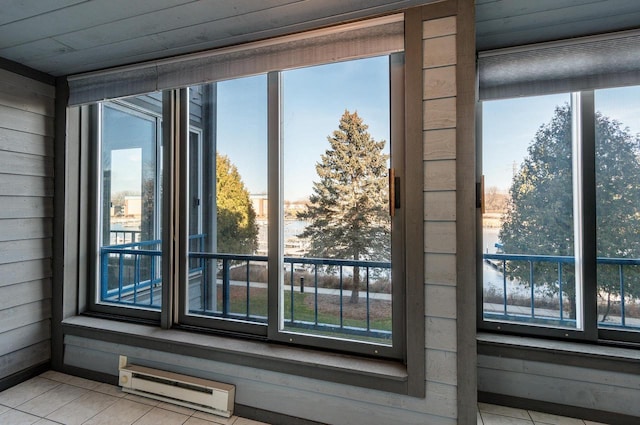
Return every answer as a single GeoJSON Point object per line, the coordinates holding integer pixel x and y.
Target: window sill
{"type": "Point", "coordinates": [588, 355]}
{"type": "Point", "coordinates": [340, 368]}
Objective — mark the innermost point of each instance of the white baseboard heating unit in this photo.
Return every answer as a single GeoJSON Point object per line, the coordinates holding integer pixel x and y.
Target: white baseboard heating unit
{"type": "Point", "coordinates": [189, 391]}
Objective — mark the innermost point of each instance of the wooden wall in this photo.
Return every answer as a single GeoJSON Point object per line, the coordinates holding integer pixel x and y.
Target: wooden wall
{"type": "Point", "coordinates": [26, 214]}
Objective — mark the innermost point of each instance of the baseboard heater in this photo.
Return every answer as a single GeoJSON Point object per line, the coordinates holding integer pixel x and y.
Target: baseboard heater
{"type": "Point", "coordinates": [189, 391]}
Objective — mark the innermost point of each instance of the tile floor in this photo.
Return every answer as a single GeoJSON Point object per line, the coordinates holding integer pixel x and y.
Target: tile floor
{"type": "Point", "coordinates": [490, 414]}
{"type": "Point", "coordinates": [55, 398]}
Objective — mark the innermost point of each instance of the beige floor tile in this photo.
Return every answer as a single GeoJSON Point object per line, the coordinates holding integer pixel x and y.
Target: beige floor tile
{"type": "Point", "coordinates": [197, 421]}
{"type": "Point", "coordinates": [111, 390]}
{"type": "Point", "coordinates": [122, 412]}
{"type": "Point", "coordinates": [215, 418]}
{"type": "Point", "coordinates": [16, 417]}
{"type": "Point", "coordinates": [175, 408]}
{"type": "Point", "coordinates": [52, 400]}
{"type": "Point", "coordinates": [479, 420]}
{"type": "Point", "coordinates": [46, 422]}
{"type": "Point", "coordinates": [157, 416]}
{"type": "Point", "coordinates": [504, 411]}
{"type": "Point", "coordinates": [56, 376]}
{"type": "Point", "coordinates": [25, 391]}
{"type": "Point", "coordinates": [82, 382]}
{"type": "Point", "coordinates": [491, 419]}
{"type": "Point", "coordinates": [546, 418]}
{"type": "Point", "coordinates": [3, 409]}
{"type": "Point", "coordinates": [594, 423]}
{"type": "Point", "coordinates": [245, 421]}
{"type": "Point", "coordinates": [83, 408]}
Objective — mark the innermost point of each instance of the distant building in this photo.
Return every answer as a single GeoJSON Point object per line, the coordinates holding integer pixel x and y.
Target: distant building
{"type": "Point", "coordinates": [133, 206]}
{"type": "Point", "coordinates": [260, 204]}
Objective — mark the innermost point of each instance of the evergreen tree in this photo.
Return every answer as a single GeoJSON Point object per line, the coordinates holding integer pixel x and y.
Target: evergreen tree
{"type": "Point", "coordinates": [347, 212]}
{"type": "Point", "coordinates": [236, 221]}
{"type": "Point", "coordinates": [539, 217]}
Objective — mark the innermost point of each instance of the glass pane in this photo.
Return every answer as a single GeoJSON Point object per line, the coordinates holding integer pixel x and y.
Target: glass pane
{"type": "Point", "coordinates": [528, 224]}
{"type": "Point", "coordinates": [227, 200]}
{"type": "Point", "coordinates": [337, 230]}
{"type": "Point", "coordinates": [130, 271]}
{"type": "Point", "coordinates": [618, 207]}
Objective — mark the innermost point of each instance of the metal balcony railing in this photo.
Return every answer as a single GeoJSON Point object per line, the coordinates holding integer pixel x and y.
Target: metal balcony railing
{"type": "Point", "coordinates": [131, 275]}
{"type": "Point", "coordinates": [536, 314]}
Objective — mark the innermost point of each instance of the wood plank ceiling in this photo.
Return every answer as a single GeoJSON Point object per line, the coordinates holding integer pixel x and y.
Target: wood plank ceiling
{"type": "Point", "coordinates": [62, 37]}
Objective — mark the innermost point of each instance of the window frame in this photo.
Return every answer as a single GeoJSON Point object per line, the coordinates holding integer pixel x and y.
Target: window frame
{"type": "Point", "coordinates": [96, 120]}
{"type": "Point", "coordinates": [272, 331]}
{"type": "Point", "coordinates": [583, 126]}
{"type": "Point", "coordinates": [175, 133]}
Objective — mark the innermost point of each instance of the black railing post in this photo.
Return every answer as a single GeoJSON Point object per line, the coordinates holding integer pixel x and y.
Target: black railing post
{"type": "Point", "coordinates": [622, 312]}
{"type": "Point", "coordinates": [301, 284]}
{"type": "Point", "coordinates": [316, 294]}
{"type": "Point", "coordinates": [291, 291]}
{"type": "Point", "coordinates": [368, 318]}
{"type": "Point", "coordinates": [248, 287]}
{"type": "Point", "coordinates": [504, 286]}
{"type": "Point", "coordinates": [533, 314]}
{"type": "Point", "coordinates": [341, 297]}
{"type": "Point", "coordinates": [225, 287]}
{"type": "Point", "coordinates": [560, 290]}
{"type": "Point", "coordinates": [204, 286]}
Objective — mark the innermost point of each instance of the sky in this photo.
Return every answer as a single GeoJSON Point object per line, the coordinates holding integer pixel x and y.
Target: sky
{"type": "Point", "coordinates": [509, 126]}
{"type": "Point", "coordinates": [314, 99]}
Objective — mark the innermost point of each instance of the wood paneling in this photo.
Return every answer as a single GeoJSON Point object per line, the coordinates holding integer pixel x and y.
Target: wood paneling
{"type": "Point", "coordinates": [96, 35]}
{"type": "Point", "coordinates": [26, 164]}
{"type": "Point", "coordinates": [515, 22]}
{"type": "Point", "coordinates": [28, 122]}
{"type": "Point", "coordinates": [25, 292]}
{"type": "Point", "coordinates": [24, 271]}
{"type": "Point", "coordinates": [26, 207]}
{"type": "Point", "coordinates": [560, 384]}
{"type": "Point", "coordinates": [17, 141]}
{"type": "Point", "coordinates": [439, 144]}
{"type": "Point", "coordinates": [26, 195]}
{"type": "Point", "coordinates": [439, 113]}
{"type": "Point", "coordinates": [13, 185]}
{"type": "Point", "coordinates": [439, 92]}
{"type": "Point", "coordinates": [25, 228]}
{"type": "Point", "coordinates": [24, 336]}
{"type": "Point", "coordinates": [441, 367]}
{"type": "Point", "coordinates": [25, 358]}
{"type": "Point", "coordinates": [23, 315]}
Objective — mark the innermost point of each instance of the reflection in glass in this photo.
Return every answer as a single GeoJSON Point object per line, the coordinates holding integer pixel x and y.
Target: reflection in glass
{"type": "Point", "coordinates": [227, 199]}
{"type": "Point", "coordinates": [528, 224]}
{"type": "Point", "coordinates": [337, 229]}
{"type": "Point", "coordinates": [618, 207]}
{"type": "Point", "coordinates": [130, 203]}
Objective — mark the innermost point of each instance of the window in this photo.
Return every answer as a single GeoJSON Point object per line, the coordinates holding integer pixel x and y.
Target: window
{"type": "Point", "coordinates": [528, 230]}
{"type": "Point", "coordinates": [617, 212]}
{"type": "Point", "coordinates": [560, 159]}
{"type": "Point", "coordinates": [279, 193]}
{"type": "Point", "coordinates": [561, 216]}
{"type": "Point", "coordinates": [130, 175]}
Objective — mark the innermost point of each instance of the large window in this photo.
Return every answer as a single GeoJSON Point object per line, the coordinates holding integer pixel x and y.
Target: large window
{"type": "Point", "coordinates": [278, 188]}
{"type": "Point", "coordinates": [130, 176]}
{"type": "Point", "coordinates": [560, 239]}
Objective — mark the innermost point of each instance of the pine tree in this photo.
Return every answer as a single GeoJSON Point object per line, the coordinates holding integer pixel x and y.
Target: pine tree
{"type": "Point", "coordinates": [347, 212]}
